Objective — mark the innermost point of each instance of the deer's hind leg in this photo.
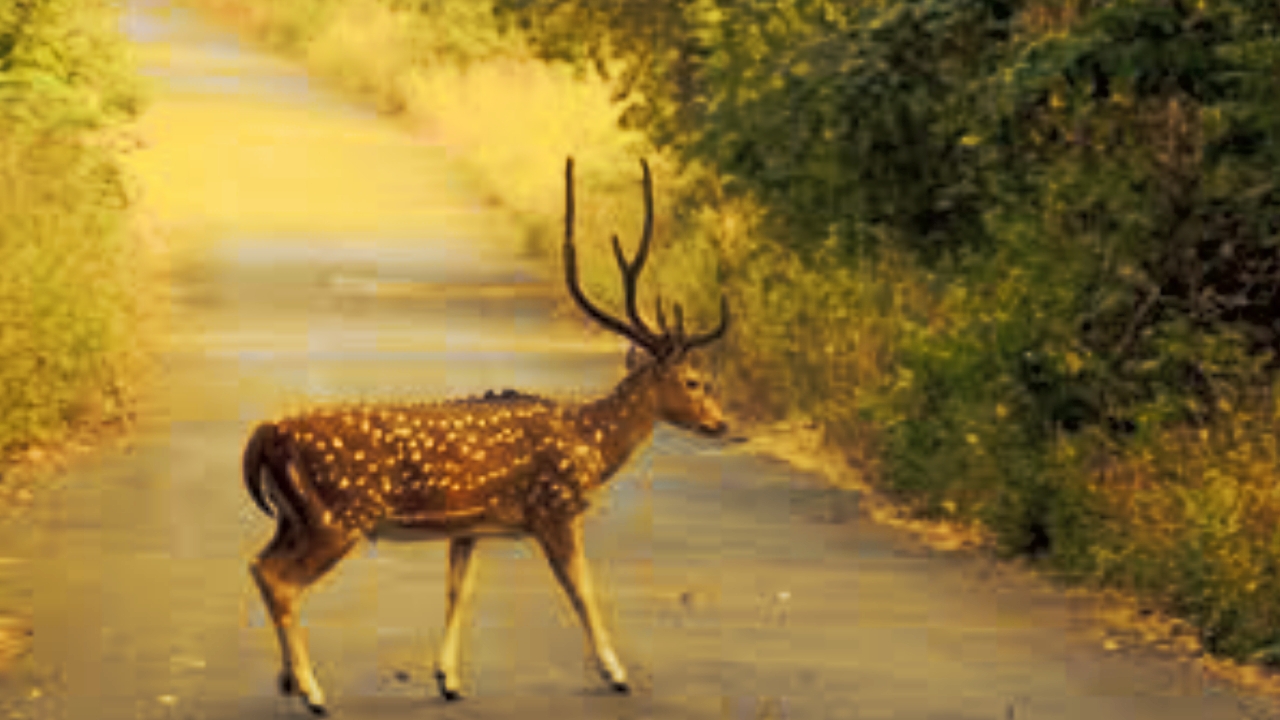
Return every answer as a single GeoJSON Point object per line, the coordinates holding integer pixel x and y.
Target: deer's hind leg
{"type": "Point", "coordinates": [296, 558]}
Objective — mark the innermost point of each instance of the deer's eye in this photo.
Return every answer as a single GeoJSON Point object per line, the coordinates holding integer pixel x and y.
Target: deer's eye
{"type": "Point", "coordinates": [691, 384]}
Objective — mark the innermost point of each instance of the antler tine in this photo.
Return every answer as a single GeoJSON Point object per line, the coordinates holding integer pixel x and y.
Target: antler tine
{"type": "Point", "coordinates": [646, 237]}
{"type": "Point", "coordinates": [715, 334]}
{"type": "Point", "coordinates": [631, 270]}
{"type": "Point", "coordinates": [571, 273]}
{"type": "Point", "coordinates": [662, 318]}
{"type": "Point", "coordinates": [678, 329]}
{"type": "Point", "coordinates": [630, 275]}
{"type": "Point", "coordinates": [619, 256]}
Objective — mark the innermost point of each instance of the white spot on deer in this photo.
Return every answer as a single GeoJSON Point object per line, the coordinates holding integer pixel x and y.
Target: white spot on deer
{"type": "Point", "coordinates": [343, 483]}
{"type": "Point", "coordinates": [359, 455]}
{"type": "Point", "coordinates": [321, 446]}
{"type": "Point", "coordinates": [373, 467]}
{"type": "Point", "coordinates": [599, 435]}
{"type": "Point", "coordinates": [337, 442]}
{"type": "Point", "coordinates": [416, 456]}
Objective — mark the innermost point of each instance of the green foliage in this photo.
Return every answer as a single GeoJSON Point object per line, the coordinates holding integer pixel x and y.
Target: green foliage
{"type": "Point", "coordinates": [62, 66]}
{"type": "Point", "coordinates": [835, 116]}
{"type": "Point", "coordinates": [67, 263]}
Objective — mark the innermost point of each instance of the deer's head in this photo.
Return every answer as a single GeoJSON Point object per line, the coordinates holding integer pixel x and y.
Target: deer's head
{"type": "Point", "coordinates": [683, 394]}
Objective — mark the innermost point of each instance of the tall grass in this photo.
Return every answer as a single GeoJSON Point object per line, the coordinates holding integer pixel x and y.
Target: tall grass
{"type": "Point", "coordinates": [72, 272]}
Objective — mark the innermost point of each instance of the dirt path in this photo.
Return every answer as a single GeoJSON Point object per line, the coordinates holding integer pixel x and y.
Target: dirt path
{"type": "Point", "coordinates": [325, 254]}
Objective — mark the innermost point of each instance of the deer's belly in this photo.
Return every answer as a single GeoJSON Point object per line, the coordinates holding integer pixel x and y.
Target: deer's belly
{"type": "Point", "coordinates": [392, 531]}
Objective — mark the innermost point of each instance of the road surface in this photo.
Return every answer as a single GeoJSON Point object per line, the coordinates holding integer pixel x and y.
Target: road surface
{"type": "Point", "coordinates": [324, 253]}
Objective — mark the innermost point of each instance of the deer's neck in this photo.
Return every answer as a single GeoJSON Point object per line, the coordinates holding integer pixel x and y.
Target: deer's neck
{"type": "Point", "coordinates": [620, 422]}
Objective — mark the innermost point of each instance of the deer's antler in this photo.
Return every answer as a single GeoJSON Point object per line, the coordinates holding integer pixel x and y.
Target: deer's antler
{"type": "Point", "coordinates": [701, 339]}
{"type": "Point", "coordinates": [658, 344]}
{"type": "Point", "coordinates": [637, 334]}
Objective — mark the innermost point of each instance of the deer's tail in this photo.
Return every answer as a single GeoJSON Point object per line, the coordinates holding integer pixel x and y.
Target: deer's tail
{"type": "Point", "coordinates": [255, 461]}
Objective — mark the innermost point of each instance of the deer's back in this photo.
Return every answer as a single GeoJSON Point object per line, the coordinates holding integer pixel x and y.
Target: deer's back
{"type": "Point", "coordinates": [442, 466]}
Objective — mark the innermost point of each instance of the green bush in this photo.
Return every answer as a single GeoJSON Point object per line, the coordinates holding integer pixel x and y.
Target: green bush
{"type": "Point", "coordinates": [67, 258]}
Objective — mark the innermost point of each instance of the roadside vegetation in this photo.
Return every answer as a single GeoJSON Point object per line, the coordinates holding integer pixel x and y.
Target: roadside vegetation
{"type": "Point", "coordinates": [72, 271]}
{"type": "Point", "coordinates": [1017, 259]}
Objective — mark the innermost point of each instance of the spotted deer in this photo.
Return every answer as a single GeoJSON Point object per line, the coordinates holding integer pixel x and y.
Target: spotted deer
{"type": "Point", "coordinates": [508, 464]}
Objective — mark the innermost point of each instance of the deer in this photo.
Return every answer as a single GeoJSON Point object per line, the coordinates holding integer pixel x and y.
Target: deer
{"type": "Point", "coordinates": [509, 464]}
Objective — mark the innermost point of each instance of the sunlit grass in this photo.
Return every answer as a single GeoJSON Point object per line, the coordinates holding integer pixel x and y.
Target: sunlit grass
{"type": "Point", "coordinates": [69, 277]}
{"type": "Point", "coordinates": [76, 274]}
{"type": "Point", "coordinates": [1196, 519]}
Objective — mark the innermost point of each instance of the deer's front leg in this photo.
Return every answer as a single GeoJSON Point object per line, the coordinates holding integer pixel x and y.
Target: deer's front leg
{"type": "Point", "coordinates": [562, 542]}
{"type": "Point", "coordinates": [461, 583]}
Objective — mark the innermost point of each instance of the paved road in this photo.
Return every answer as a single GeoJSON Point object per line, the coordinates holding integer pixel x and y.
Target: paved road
{"type": "Point", "coordinates": [333, 256]}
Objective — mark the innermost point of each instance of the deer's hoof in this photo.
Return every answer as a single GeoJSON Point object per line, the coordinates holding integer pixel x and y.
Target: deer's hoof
{"type": "Point", "coordinates": [445, 692]}
{"type": "Point", "coordinates": [619, 686]}
{"type": "Point", "coordinates": [288, 685]}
